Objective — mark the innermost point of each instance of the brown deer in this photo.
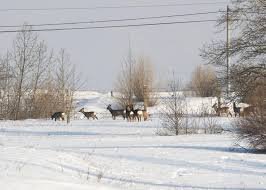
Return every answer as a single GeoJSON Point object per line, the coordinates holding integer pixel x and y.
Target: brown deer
{"type": "Point", "coordinates": [145, 115]}
{"type": "Point", "coordinates": [220, 110]}
{"type": "Point", "coordinates": [141, 113]}
{"type": "Point", "coordinates": [137, 113]}
{"type": "Point", "coordinates": [133, 114]}
{"type": "Point", "coordinates": [247, 111]}
{"type": "Point", "coordinates": [91, 114]}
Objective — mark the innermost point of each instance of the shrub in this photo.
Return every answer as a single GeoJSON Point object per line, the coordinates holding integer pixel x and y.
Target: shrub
{"type": "Point", "coordinates": [252, 130]}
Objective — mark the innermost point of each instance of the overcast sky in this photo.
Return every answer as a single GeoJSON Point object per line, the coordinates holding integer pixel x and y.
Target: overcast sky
{"type": "Point", "coordinates": [98, 54]}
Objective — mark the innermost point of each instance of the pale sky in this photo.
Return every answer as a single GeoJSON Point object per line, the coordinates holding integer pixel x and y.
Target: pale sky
{"type": "Point", "coordinates": [99, 53]}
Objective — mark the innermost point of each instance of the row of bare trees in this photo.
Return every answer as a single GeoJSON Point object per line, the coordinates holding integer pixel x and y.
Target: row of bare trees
{"type": "Point", "coordinates": [34, 81]}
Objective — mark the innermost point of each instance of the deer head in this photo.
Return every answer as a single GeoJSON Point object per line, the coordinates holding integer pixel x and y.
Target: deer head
{"type": "Point", "coordinates": [129, 107]}
{"type": "Point", "coordinates": [109, 107]}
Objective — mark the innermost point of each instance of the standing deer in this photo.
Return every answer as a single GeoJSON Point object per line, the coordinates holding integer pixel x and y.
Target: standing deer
{"type": "Point", "coordinates": [137, 113]}
{"type": "Point", "coordinates": [236, 109]}
{"type": "Point", "coordinates": [91, 114]}
{"type": "Point", "coordinates": [58, 115]}
{"type": "Point", "coordinates": [129, 112]}
{"type": "Point", "coordinates": [247, 111]}
{"type": "Point", "coordinates": [145, 114]}
{"type": "Point", "coordinates": [220, 110]}
{"type": "Point", "coordinates": [116, 113]}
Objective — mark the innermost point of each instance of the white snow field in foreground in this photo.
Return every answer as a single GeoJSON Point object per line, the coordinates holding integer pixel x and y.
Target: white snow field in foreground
{"type": "Point", "coordinates": [114, 154]}
{"type": "Point", "coordinates": [39, 154]}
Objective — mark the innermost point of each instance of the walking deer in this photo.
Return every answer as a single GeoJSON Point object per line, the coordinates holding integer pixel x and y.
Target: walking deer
{"type": "Point", "coordinates": [116, 113]}
{"type": "Point", "coordinates": [221, 110]}
{"type": "Point", "coordinates": [91, 114]}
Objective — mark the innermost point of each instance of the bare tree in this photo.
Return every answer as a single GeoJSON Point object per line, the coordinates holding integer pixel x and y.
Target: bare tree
{"type": "Point", "coordinates": [173, 112]}
{"type": "Point", "coordinates": [246, 48]}
{"type": "Point", "coordinates": [135, 82]}
{"type": "Point", "coordinates": [5, 85]}
{"type": "Point", "coordinates": [246, 79]}
{"type": "Point", "coordinates": [123, 87]}
{"type": "Point", "coordinates": [33, 82]}
{"type": "Point", "coordinates": [67, 82]}
{"type": "Point", "coordinates": [49, 97]}
{"type": "Point", "coordinates": [24, 56]}
{"type": "Point", "coordinates": [43, 58]}
{"type": "Point", "coordinates": [62, 73]}
{"type": "Point", "coordinates": [204, 82]}
{"type": "Point", "coordinates": [143, 81]}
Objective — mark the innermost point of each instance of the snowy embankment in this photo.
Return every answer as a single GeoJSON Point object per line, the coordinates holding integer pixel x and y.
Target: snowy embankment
{"type": "Point", "coordinates": [108, 154]}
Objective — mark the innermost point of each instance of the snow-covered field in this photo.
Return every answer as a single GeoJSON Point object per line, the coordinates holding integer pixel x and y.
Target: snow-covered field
{"type": "Point", "coordinates": [115, 154]}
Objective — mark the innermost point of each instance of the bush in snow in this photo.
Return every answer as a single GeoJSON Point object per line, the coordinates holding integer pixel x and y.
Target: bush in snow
{"type": "Point", "coordinates": [252, 130]}
{"type": "Point", "coordinates": [173, 112]}
{"type": "Point", "coordinates": [211, 126]}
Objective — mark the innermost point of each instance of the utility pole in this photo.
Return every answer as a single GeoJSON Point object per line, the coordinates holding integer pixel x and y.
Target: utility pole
{"type": "Point", "coordinates": [227, 51]}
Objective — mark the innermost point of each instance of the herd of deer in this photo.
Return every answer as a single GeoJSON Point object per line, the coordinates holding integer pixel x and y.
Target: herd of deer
{"type": "Point", "coordinates": [238, 111]}
{"type": "Point", "coordinates": [129, 113]}
{"type": "Point", "coordinates": [132, 114]}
